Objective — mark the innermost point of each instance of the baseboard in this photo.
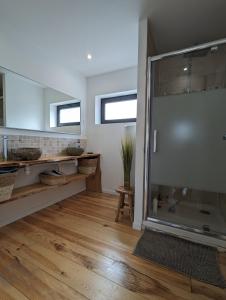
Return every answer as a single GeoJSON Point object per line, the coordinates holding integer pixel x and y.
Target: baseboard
{"type": "Point", "coordinates": [109, 191]}
{"type": "Point", "coordinates": [137, 226]}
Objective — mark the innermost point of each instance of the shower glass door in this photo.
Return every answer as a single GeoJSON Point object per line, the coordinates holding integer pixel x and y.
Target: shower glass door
{"type": "Point", "coordinates": [187, 172]}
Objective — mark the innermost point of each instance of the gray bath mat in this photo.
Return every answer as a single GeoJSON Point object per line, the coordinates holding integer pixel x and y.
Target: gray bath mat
{"type": "Point", "coordinates": [191, 259]}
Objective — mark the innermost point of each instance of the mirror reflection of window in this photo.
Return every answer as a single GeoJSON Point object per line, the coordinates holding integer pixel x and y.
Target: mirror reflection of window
{"type": "Point", "coordinates": [68, 114]}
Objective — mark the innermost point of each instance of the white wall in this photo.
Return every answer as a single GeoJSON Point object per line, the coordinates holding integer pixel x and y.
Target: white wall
{"type": "Point", "coordinates": [106, 138]}
{"type": "Point", "coordinates": [24, 103]}
{"type": "Point", "coordinates": [146, 47]}
{"type": "Point", "coordinates": [141, 95]}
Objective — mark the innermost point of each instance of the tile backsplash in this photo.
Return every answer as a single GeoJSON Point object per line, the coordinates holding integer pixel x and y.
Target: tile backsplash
{"type": "Point", "coordinates": [48, 145]}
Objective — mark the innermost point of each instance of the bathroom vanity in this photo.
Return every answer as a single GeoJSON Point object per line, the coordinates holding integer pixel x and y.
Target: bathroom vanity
{"type": "Point", "coordinates": [93, 181]}
{"type": "Point", "coordinates": [34, 115]}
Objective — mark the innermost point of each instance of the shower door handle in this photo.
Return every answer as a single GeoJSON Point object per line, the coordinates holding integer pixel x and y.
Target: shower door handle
{"type": "Point", "coordinates": [155, 133]}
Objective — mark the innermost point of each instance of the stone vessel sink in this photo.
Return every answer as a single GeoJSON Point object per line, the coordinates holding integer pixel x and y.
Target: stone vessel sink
{"type": "Point", "coordinates": [74, 151]}
{"type": "Point", "coordinates": [25, 154]}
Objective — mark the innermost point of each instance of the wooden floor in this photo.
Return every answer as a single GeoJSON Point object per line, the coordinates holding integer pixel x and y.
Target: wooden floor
{"type": "Point", "coordinates": [74, 250]}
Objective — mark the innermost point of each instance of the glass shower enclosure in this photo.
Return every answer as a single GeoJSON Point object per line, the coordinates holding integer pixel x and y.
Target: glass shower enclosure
{"type": "Point", "coordinates": [186, 139]}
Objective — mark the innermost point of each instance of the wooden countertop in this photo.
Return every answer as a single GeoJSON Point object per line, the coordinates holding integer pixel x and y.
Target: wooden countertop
{"type": "Point", "coordinates": [43, 160]}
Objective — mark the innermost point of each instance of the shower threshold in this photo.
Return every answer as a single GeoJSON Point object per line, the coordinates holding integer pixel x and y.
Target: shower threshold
{"type": "Point", "coordinates": [202, 231]}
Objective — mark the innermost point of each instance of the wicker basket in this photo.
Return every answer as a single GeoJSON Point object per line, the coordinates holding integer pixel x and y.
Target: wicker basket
{"type": "Point", "coordinates": [87, 166]}
{"type": "Point", "coordinates": [7, 181]}
{"type": "Point", "coordinates": [52, 180]}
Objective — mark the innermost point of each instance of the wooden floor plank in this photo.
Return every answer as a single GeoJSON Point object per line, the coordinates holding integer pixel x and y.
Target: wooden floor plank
{"type": "Point", "coordinates": [90, 229]}
{"type": "Point", "coordinates": [31, 281]}
{"type": "Point", "coordinates": [202, 291]}
{"type": "Point", "coordinates": [78, 277]}
{"type": "Point", "coordinates": [89, 199]}
{"type": "Point", "coordinates": [116, 271]}
{"type": "Point", "coordinates": [77, 210]}
{"type": "Point", "coordinates": [8, 292]}
{"type": "Point", "coordinates": [75, 250]}
{"type": "Point", "coordinates": [145, 267]}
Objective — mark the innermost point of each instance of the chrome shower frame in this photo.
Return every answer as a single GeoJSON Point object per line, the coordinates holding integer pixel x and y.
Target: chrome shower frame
{"type": "Point", "coordinates": [148, 143]}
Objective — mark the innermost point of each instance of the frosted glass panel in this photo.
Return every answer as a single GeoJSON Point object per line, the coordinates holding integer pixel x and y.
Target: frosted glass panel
{"type": "Point", "coordinates": [191, 148]}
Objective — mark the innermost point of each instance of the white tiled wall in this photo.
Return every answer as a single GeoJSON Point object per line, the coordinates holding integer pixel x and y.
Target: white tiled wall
{"type": "Point", "coordinates": [48, 145]}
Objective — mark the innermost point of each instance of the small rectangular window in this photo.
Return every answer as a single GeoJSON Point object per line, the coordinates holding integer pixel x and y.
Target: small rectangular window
{"type": "Point", "coordinates": [119, 109]}
{"type": "Point", "coordinates": [68, 114]}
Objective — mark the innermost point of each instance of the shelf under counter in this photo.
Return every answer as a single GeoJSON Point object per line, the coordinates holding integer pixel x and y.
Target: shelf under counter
{"type": "Point", "coordinates": [93, 181]}
{"type": "Point", "coordinates": [43, 160]}
{"type": "Point", "coordinates": [36, 188]}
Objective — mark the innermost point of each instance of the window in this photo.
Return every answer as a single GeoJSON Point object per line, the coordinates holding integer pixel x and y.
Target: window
{"type": "Point", "coordinates": [119, 109]}
{"type": "Point", "coordinates": [68, 114]}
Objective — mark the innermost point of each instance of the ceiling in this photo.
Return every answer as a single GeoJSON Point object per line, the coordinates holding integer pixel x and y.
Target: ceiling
{"type": "Point", "coordinates": [63, 32]}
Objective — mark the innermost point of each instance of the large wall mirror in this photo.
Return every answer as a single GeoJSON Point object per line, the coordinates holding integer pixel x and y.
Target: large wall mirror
{"type": "Point", "coordinates": [26, 104]}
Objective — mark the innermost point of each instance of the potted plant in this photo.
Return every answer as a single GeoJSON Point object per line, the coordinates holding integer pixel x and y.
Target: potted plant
{"type": "Point", "coordinates": [127, 158]}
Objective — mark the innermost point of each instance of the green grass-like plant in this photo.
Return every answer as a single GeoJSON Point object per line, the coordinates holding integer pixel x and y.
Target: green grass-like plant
{"type": "Point", "coordinates": [127, 158]}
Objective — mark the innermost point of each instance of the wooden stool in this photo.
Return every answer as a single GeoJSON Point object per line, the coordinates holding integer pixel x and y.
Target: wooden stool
{"type": "Point", "coordinates": [121, 204]}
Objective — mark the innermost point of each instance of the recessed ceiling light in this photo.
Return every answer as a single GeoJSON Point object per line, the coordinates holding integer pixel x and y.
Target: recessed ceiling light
{"type": "Point", "coordinates": [89, 56]}
{"type": "Point", "coordinates": [185, 69]}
